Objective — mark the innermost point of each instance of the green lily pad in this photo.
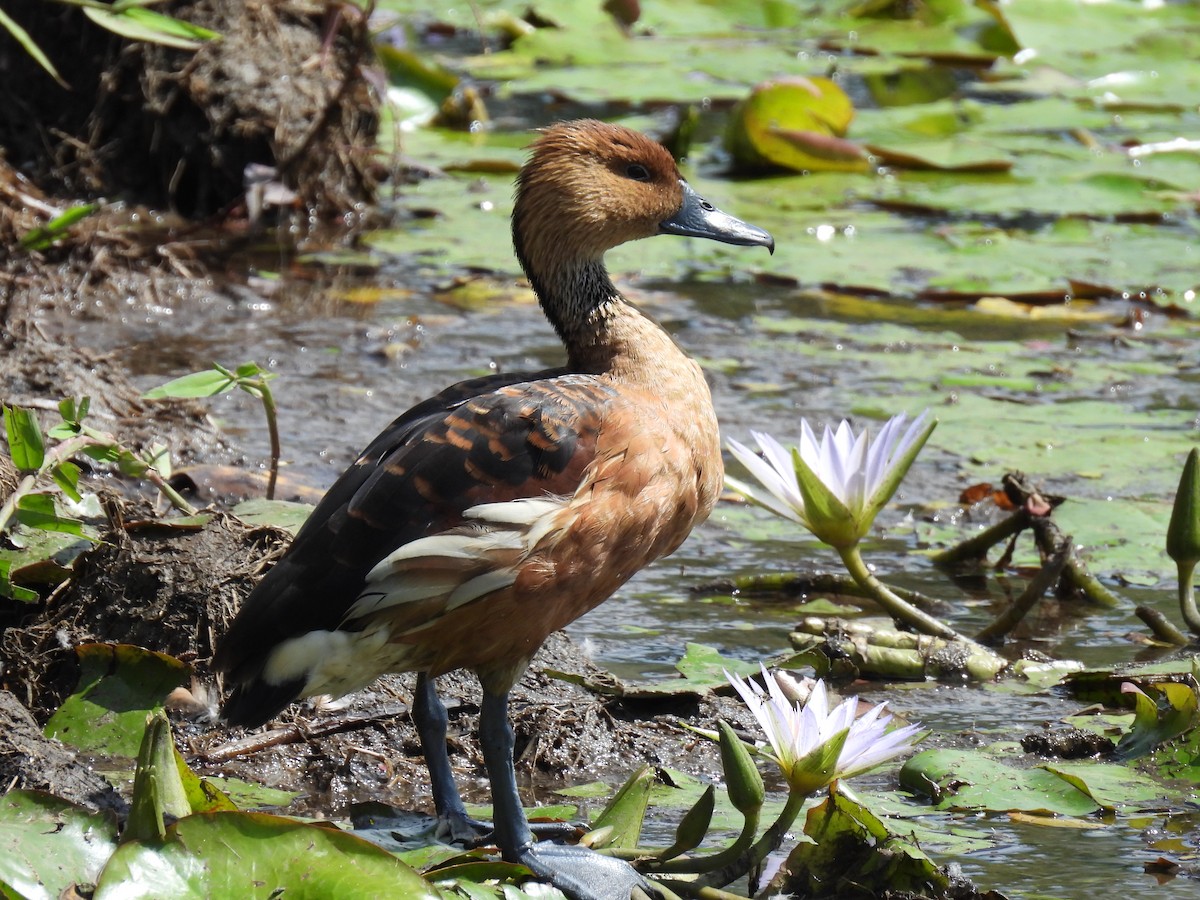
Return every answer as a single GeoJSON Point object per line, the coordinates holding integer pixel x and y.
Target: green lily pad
{"type": "Point", "coordinates": [48, 844]}
{"type": "Point", "coordinates": [254, 855]}
{"type": "Point", "coordinates": [702, 664]}
{"type": "Point", "coordinates": [119, 685]}
{"type": "Point", "coordinates": [284, 514]}
{"type": "Point", "coordinates": [794, 123]}
{"type": "Point", "coordinates": [971, 780]}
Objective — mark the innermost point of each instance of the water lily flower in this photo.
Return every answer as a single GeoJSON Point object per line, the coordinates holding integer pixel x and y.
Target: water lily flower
{"type": "Point", "coordinates": [815, 745]}
{"type": "Point", "coordinates": [834, 486]}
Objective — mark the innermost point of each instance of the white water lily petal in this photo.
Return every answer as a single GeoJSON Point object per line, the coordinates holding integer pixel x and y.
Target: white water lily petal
{"type": "Point", "coordinates": [855, 474]}
{"type": "Point", "coordinates": [794, 732]}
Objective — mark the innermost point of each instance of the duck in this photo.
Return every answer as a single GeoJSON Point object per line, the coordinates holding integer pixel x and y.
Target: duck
{"type": "Point", "coordinates": [501, 509]}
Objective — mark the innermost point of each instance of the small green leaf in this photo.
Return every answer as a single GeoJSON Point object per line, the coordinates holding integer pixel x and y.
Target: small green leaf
{"type": "Point", "coordinates": [138, 24]}
{"type": "Point", "coordinates": [66, 476]}
{"type": "Point", "coordinates": [158, 458]}
{"type": "Point", "coordinates": [103, 451]}
{"type": "Point", "coordinates": [21, 36]}
{"type": "Point", "coordinates": [38, 511]}
{"type": "Point", "coordinates": [14, 591]}
{"type": "Point", "coordinates": [130, 465]}
{"type": "Point", "coordinates": [25, 444]}
{"type": "Point", "coordinates": [56, 228]}
{"type": "Point", "coordinates": [208, 383]}
{"type": "Point", "coordinates": [252, 370]}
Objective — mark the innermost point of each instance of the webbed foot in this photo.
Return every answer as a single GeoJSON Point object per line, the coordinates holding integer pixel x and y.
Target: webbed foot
{"type": "Point", "coordinates": [584, 874]}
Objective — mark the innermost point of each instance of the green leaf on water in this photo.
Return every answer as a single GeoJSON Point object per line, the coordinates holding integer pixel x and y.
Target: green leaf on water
{"type": "Point", "coordinates": [284, 514]}
{"type": "Point", "coordinates": [704, 665]}
{"type": "Point", "coordinates": [47, 845]}
{"type": "Point", "coordinates": [254, 855]}
{"type": "Point", "coordinates": [794, 123]}
{"type": "Point", "coordinates": [974, 780]}
{"type": "Point", "coordinates": [119, 685]}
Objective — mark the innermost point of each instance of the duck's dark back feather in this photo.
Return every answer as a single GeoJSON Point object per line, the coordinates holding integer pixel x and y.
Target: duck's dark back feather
{"type": "Point", "coordinates": [486, 440]}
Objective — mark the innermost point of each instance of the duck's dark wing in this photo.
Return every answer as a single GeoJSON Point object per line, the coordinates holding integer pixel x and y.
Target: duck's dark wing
{"type": "Point", "coordinates": [485, 443]}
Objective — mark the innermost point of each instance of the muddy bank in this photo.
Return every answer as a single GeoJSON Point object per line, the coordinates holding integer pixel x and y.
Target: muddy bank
{"type": "Point", "coordinates": [283, 85]}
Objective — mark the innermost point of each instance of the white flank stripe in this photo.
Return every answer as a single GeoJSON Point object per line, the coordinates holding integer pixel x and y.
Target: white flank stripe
{"type": "Point", "coordinates": [463, 564]}
{"type": "Point", "coordinates": [480, 586]}
{"type": "Point", "coordinates": [517, 512]}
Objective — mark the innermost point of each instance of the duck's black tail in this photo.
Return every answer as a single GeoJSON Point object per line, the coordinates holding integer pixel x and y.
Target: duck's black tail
{"type": "Point", "coordinates": [253, 702]}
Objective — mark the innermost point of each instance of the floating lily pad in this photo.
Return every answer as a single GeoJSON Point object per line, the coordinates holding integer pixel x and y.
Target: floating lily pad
{"type": "Point", "coordinates": [254, 855]}
{"type": "Point", "coordinates": [794, 123]}
{"type": "Point", "coordinates": [47, 845]}
{"type": "Point", "coordinates": [975, 781]}
{"type": "Point", "coordinates": [119, 685]}
{"type": "Point", "coordinates": [278, 513]}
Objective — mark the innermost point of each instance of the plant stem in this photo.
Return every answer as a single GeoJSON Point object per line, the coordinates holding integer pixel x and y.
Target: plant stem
{"type": "Point", "coordinates": [693, 889]}
{"type": "Point", "coordinates": [691, 864]}
{"type": "Point", "coordinates": [976, 547]}
{"type": "Point", "coordinates": [10, 505]}
{"type": "Point", "coordinates": [1161, 627]}
{"type": "Point", "coordinates": [893, 605]}
{"type": "Point", "coordinates": [173, 496]}
{"type": "Point", "coordinates": [752, 857]}
{"type": "Point", "coordinates": [1187, 599]}
{"type": "Point", "coordinates": [268, 402]}
{"type": "Point", "coordinates": [794, 584]}
{"type": "Point", "coordinates": [1034, 591]}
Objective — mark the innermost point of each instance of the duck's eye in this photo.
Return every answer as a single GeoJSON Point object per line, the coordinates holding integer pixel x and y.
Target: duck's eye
{"type": "Point", "coordinates": [637, 172]}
